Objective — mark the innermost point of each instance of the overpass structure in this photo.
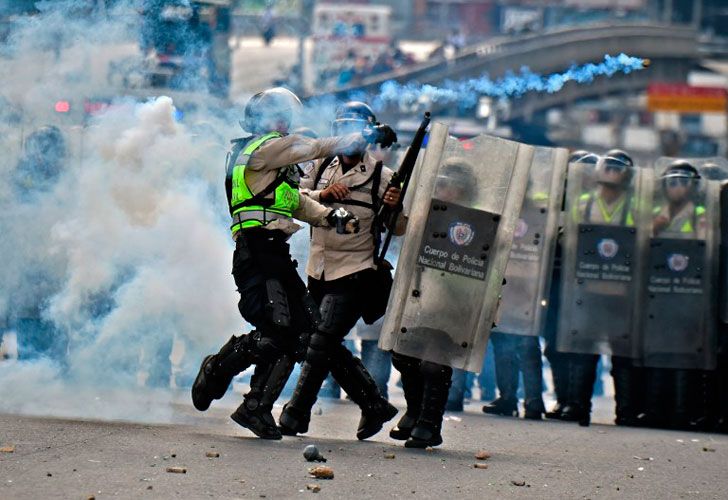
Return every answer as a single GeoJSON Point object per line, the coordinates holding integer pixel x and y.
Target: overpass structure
{"type": "Point", "coordinates": [673, 50]}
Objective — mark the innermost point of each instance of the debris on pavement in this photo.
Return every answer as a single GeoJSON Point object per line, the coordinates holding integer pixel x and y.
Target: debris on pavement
{"type": "Point", "coordinates": [312, 454]}
{"type": "Point", "coordinates": [7, 449]}
{"type": "Point", "coordinates": [389, 455]}
{"type": "Point", "coordinates": [322, 472]}
{"type": "Point", "coordinates": [212, 454]}
{"type": "Point", "coordinates": [643, 458]}
{"type": "Point", "coordinates": [177, 470]}
{"type": "Point", "coordinates": [480, 466]}
{"type": "Point", "coordinates": [705, 448]}
{"type": "Point", "coordinates": [482, 455]}
{"type": "Point", "coordinates": [429, 449]}
{"type": "Point", "coordinates": [315, 488]}
{"type": "Point", "coordinates": [518, 483]}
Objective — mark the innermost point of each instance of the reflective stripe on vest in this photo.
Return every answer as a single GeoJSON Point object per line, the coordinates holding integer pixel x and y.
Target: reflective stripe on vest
{"type": "Point", "coordinates": [688, 225]}
{"type": "Point", "coordinates": [285, 196]}
{"type": "Point", "coordinates": [586, 200]}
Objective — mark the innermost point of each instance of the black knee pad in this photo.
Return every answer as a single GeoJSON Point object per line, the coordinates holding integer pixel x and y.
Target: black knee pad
{"type": "Point", "coordinates": [312, 310]}
{"type": "Point", "coordinates": [435, 371]}
{"type": "Point", "coordinates": [336, 314]}
{"type": "Point", "coordinates": [405, 363]}
{"type": "Point", "coordinates": [277, 310]}
{"type": "Point", "coordinates": [318, 349]}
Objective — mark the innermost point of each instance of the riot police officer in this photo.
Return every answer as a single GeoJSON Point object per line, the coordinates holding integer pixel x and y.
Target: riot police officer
{"type": "Point", "coordinates": [45, 156]}
{"type": "Point", "coordinates": [263, 195]}
{"type": "Point", "coordinates": [342, 276]}
{"type": "Point", "coordinates": [611, 203]}
{"type": "Point", "coordinates": [559, 361]}
{"type": "Point", "coordinates": [426, 384]}
{"type": "Point", "coordinates": [674, 396]}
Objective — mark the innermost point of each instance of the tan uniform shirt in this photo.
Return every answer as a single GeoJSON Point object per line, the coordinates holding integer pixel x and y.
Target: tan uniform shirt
{"type": "Point", "coordinates": [333, 256]}
{"type": "Point", "coordinates": [262, 169]}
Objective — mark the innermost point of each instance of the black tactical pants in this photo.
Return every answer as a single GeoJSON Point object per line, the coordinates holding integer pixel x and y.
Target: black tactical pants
{"type": "Point", "coordinates": [559, 361]}
{"type": "Point", "coordinates": [514, 353]}
{"type": "Point", "coordinates": [273, 299]}
{"type": "Point", "coordinates": [341, 305]}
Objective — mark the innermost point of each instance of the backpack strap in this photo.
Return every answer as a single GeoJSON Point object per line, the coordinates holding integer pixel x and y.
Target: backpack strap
{"type": "Point", "coordinates": [324, 165]}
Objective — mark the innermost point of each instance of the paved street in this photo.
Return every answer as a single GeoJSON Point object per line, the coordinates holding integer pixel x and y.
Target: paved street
{"type": "Point", "coordinates": [56, 458]}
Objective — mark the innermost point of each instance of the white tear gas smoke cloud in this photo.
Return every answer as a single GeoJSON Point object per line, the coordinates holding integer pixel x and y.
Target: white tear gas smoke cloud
{"type": "Point", "coordinates": [467, 92]}
{"type": "Point", "coordinates": [123, 254]}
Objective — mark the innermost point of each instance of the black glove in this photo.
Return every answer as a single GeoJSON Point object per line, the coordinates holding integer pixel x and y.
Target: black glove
{"type": "Point", "coordinates": [383, 135]}
{"type": "Point", "coordinates": [344, 221]}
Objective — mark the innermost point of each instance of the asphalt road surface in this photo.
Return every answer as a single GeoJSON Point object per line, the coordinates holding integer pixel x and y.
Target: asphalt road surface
{"type": "Point", "coordinates": [57, 458]}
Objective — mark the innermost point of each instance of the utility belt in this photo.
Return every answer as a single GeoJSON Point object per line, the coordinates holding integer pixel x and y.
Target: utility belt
{"type": "Point", "coordinates": [263, 216]}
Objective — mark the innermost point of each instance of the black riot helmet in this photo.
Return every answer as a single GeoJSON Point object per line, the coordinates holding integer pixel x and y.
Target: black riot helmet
{"type": "Point", "coordinates": [352, 117]}
{"type": "Point", "coordinates": [456, 181]}
{"type": "Point", "coordinates": [680, 172]}
{"type": "Point", "coordinates": [714, 172]}
{"type": "Point", "coordinates": [45, 141]}
{"type": "Point", "coordinates": [271, 110]}
{"type": "Point", "coordinates": [583, 156]}
{"type": "Point", "coordinates": [619, 156]}
{"type": "Point", "coordinates": [615, 169]}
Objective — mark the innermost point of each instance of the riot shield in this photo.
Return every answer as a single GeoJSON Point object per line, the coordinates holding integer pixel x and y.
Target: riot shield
{"type": "Point", "coordinates": [602, 262]}
{"type": "Point", "coordinates": [715, 169]}
{"type": "Point", "coordinates": [712, 168]}
{"type": "Point", "coordinates": [450, 271]}
{"type": "Point", "coordinates": [681, 274]}
{"type": "Point", "coordinates": [528, 274]}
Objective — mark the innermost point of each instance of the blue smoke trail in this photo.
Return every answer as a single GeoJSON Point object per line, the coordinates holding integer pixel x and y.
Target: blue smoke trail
{"type": "Point", "coordinates": [467, 92]}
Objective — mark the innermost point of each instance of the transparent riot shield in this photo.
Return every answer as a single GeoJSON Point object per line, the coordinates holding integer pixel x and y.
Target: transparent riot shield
{"type": "Point", "coordinates": [681, 273]}
{"type": "Point", "coordinates": [528, 274]}
{"type": "Point", "coordinates": [466, 200]}
{"type": "Point", "coordinates": [715, 169]}
{"type": "Point", "coordinates": [602, 261]}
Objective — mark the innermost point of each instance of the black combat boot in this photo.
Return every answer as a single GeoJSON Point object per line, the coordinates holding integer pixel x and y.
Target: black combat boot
{"type": "Point", "coordinates": [296, 414]}
{"type": "Point", "coordinates": [266, 385]}
{"type": "Point", "coordinates": [218, 370]}
{"type": "Point", "coordinates": [560, 374]}
{"type": "Point", "coordinates": [356, 381]}
{"type": "Point", "coordinates": [657, 394]}
{"type": "Point", "coordinates": [629, 383]}
{"type": "Point", "coordinates": [582, 374]}
{"type": "Point", "coordinates": [506, 377]}
{"type": "Point", "coordinates": [427, 430]}
{"type": "Point", "coordinates": [413, 387]}
{"type": "Point", "coordinates": [686, 390]}
{"type": "Point", "coordinates": [532, 369]}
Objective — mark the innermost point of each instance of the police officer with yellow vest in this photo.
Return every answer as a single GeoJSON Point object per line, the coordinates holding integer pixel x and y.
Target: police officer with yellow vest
{"type": "Point", "coordinates": [263, 196]}
{"type": "Point", "coordinates": [680, 216]}
{"type": "Point", "coordinates": [559, 361]}
{"type": "Point", "coordinates": [342, 276]}
{"type": "Point", "coordinates": [673, 396]}
{"type": "Point", "coordinates": [610, 203]}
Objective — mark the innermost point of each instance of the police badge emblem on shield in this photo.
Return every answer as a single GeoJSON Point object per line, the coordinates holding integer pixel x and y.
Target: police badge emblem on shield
{"type": "Point", "coordinates": [607, 248]}
{"type": "Point", "coordinates": [461, 234]}
{"type": "Point", "coordinates": [677, 262]}
{"type": "Point", "coordinates": [521, 229]}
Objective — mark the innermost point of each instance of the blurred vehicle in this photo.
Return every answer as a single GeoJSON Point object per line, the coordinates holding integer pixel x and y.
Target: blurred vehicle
{"type": "Point", "coordinates": [184, 45]}
{"type": "Point", "coordinates": [346, 36]}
